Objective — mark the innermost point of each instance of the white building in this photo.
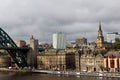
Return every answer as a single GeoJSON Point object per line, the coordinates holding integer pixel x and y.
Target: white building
{"type": "Point", "coordinates": [111, 37]}
{"type": "Point", "coordinates": [59, 41]}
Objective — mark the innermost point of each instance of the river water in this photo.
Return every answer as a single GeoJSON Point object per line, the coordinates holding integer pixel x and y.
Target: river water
{"type": "Point", "coordinates": [14, 76]}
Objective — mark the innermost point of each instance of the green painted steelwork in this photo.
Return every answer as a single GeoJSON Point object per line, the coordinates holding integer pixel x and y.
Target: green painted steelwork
{"type": "Point", "coordinates": [18, 55]}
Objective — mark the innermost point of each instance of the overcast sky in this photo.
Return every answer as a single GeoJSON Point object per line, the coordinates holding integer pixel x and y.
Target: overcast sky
{"type": "Point", "coordinates": [41, 18]}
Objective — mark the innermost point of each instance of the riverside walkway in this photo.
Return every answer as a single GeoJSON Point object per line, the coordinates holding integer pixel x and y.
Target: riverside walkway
{"type": "Point", "coordinates": [92, 74]}
{"type": "Point", "coordinates": [15, 70]}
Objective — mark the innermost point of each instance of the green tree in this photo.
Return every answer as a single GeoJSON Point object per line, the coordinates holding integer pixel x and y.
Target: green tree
{"type": "Point", "coordinates": [116, 45]}
{"type": "Point", "coordinates": [77, 47]}
{"type": "Point", "coordinates": [101, 67]}
{"type": "Point", "coordinates": [103, 52]}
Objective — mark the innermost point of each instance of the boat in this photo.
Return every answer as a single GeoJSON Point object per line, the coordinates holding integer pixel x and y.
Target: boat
{"type": "Point", "coordinates": [100, 74]}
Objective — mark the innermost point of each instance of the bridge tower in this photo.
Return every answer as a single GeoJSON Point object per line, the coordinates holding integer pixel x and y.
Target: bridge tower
{"type": "Point", "coordinates": [33, 52]}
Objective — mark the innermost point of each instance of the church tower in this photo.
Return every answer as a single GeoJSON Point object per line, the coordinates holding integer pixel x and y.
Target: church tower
{"type": "Point", "coordinates": [100, 38]}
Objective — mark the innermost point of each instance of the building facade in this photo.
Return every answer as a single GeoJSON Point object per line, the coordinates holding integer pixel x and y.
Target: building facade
{"type": "Point", "coordinates": [59, 41]}
{"type": "Point", "coordinates": [99, 62]}
{"type": "Point", "coordinates": [56, 60]}
{"type": "Point", "coordinates": [112, 61]}
{"type": "Point", "coordinates": [87, 61]}
{"type": "Point", "coordinates": [91, 63]}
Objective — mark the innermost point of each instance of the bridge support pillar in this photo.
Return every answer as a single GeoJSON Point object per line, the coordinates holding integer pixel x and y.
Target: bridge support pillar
{"type": "Point", "coordinates": [33, 52]}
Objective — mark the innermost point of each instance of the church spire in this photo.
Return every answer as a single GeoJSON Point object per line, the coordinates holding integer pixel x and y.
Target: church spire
{"type": "Point", "coordinates": [100, 30]}
{"type": "Point", "coordinates": [100, 38]}
{"type": "Point", "coordinates": [100, 26]}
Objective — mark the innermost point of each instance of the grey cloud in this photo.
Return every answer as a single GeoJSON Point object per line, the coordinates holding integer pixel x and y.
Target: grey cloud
{"type": "Point", "coordinates": [41, 18]}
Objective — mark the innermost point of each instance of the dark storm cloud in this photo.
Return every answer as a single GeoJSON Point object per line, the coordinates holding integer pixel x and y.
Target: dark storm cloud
{"type": "Point", "coordinates": [42, 18]}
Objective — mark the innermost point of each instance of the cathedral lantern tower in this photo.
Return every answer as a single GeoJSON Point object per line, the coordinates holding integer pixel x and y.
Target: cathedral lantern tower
{"type": "Point", "coordinates": [100, 38]}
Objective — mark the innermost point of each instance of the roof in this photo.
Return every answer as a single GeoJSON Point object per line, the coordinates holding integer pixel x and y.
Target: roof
{"type": "Point", "coordinates": [113, 54]}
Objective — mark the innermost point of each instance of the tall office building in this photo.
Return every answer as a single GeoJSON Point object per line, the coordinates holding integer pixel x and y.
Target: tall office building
{"type": "Point", "coordinates": [59, 40]}
{"type": "Point", "coordinates": [111, 37]}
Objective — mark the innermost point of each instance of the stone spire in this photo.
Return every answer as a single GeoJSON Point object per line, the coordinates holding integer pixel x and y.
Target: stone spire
{"type": "Point", "coordinates": [100, 38]}
{"type": "Point", "coordinates": [100, 30]}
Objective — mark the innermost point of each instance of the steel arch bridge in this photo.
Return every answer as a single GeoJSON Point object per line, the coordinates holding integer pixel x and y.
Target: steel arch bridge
{"type": "Point", "coordinates": [19, 55]}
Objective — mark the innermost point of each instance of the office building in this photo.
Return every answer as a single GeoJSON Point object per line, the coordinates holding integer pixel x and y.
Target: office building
{"type": "Point", "coordinates": [111, 37]}
{"type": "Point", "coordinates": [59, 41]}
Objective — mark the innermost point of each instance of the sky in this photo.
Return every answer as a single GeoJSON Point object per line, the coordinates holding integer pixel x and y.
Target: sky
{"type": "Point", "coordinates": [76, 18]}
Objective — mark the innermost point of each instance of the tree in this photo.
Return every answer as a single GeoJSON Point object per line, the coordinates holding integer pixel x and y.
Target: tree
{"type": "Point", "coordinates": [101, 67]}
{"type": "Point", "coordinates": [103, 52]}
{"type": "Point", "coordinates": [116, 45]}
{"type": "Point", "coordinates": [77, 47]}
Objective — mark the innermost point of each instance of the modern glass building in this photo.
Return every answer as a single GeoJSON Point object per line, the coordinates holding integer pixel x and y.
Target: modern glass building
{"type": "Point", "coordinates": [59, 40]}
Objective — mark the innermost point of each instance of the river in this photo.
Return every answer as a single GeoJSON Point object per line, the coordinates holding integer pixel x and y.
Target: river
{"type": "Point", "coordinates": [36, 76]}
